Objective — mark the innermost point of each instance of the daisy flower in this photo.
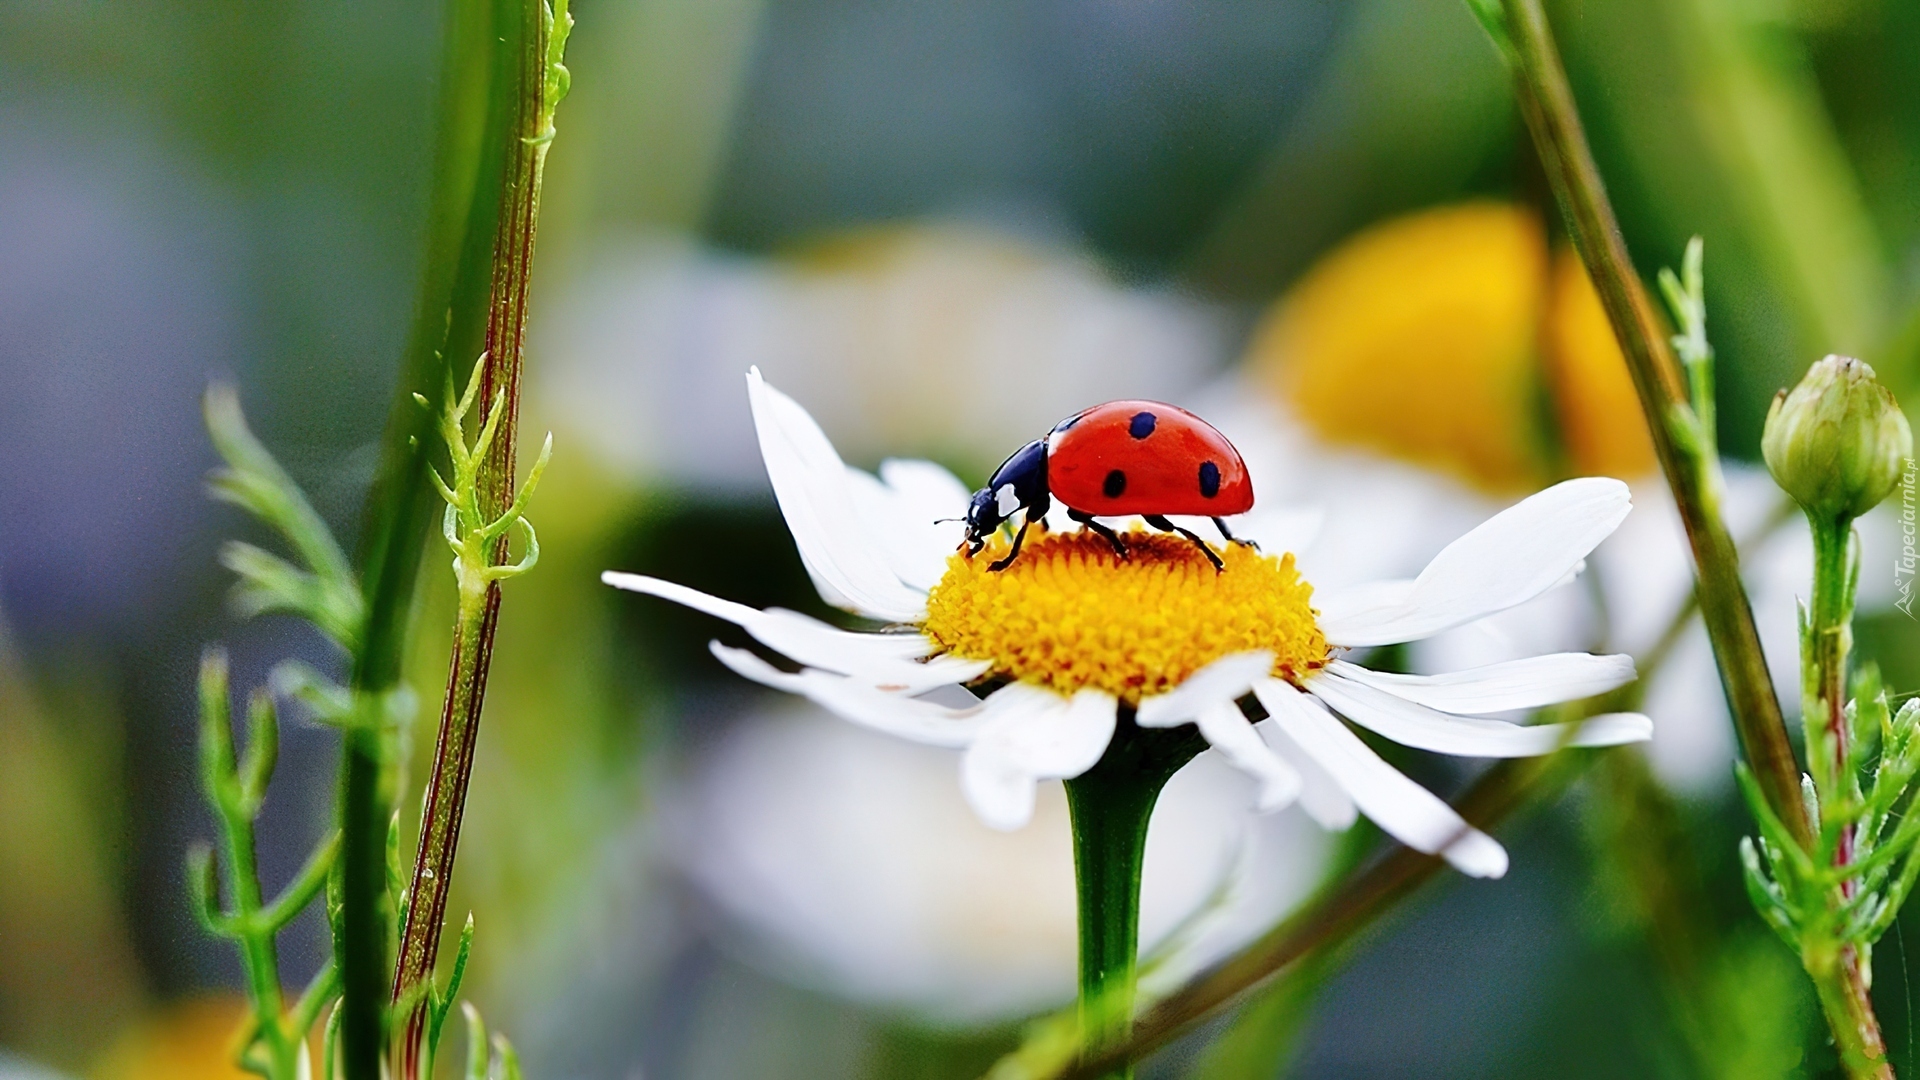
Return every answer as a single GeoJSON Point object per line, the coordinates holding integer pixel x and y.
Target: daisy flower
{"type": "Point", "coordinates": [1086, 654]}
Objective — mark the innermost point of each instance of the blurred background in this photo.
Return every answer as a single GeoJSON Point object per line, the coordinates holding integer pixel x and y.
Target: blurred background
{"type": "Point", "coordinates": [940, 228]}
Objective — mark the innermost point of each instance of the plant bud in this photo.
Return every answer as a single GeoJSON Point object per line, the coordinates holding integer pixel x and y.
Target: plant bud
{"type": "Point", "coordinates": [1837, 442]}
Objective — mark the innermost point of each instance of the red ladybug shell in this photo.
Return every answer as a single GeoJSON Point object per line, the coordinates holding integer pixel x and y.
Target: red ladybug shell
{"type": "Point", "coordinates": [1145, 457]}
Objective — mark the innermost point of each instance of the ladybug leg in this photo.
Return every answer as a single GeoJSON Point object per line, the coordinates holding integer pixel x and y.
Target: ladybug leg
{"type": "Point", "coordinates": [1221, 524]}
{"type": "Point", "coordinates": [1160, 522]}
{"type": "Point", "coordinates": [998, 565]}
{"type": "Point", "coordinates": [1119, 546]}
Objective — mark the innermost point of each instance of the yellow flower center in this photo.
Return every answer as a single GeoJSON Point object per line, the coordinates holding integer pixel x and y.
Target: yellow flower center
{"type": "Point", "coordinates": [1070, 614]}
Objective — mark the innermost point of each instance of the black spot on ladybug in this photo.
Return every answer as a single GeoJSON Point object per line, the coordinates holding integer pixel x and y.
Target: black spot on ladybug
{"type": "Point", "coordinates": [1115, 485]}
{"type": "Point", "coordinates": [1209, 479]}
{"type": "Point", "coordinates": [1141, 425]}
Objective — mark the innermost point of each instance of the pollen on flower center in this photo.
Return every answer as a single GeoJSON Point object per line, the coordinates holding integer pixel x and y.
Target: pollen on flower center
{"type": "Point", "coordinates": [1070, 614]}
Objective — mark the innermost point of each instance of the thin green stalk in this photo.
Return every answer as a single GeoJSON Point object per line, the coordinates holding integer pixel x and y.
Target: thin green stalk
{"type": "Point", "coordinates": [1521, 32]}
{"type": "Point", "coordinates": [449, 320]}
{"type": "Point", "coordinates": [236, 801]}
{"type": "Point", "coordinates": [1836, 968]}
{"type": "Point", "coordinates": [1111, 805]}
{"type": "Point", "coordinates": [273, 1043]}
{"type": "Point", "coordinates": [483, 505]}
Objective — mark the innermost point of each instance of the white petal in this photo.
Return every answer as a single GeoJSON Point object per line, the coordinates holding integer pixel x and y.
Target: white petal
{"type": "Point", "coordinates": [912, 535]}
{"type": "Point", "coordinates": [1511, 558]}
{"type": "Point", "coordinates": [891, 660]}
{"type": "Point", "coordinates": [926, 487]}
{"type": "Point", "coordinates": [1321, 795]}
{"type": "Point", "coordinates": [1418, 726]}
{"type": "Point", "coordinates": [864, 704]}
{"type": "Point", "coordinates": [1221, 681]}
{"type": "Point", "coordinates": [1034, 734]}
{"type": "Point", "coordinates": [1227, 730]}
{"type": "Point", "coordinates": [1514, 684]}
{"type": "Point", "coordinates": [810, 483]}
{"type": "Point", "coordinates": [1406, 811]}
{"type": "Point", "coordinates": [1366, 599]}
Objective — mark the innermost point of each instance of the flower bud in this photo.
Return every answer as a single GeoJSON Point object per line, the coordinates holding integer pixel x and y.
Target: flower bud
{"type": "Point", "coordinates": [1837, 442]}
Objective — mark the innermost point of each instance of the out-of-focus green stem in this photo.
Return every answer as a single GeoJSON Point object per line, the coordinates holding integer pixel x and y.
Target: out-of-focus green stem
{"type": "Point", "coordinates": [449, 320]}
{"type": "Point", "coordinates": [274, 1042]}
{"type": "Point", "coordinates": [528, 39]}
{"type": "Point", "coordinates": [1546, 103]}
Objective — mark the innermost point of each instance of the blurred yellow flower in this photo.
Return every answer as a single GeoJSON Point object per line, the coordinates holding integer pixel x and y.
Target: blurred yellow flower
{"type": "Point", "coordinates": [1431, 337]}
{"type": "Point", "coordinates": [187, 1040]}
{"type": "Point", "coordinates": [1601, 427]}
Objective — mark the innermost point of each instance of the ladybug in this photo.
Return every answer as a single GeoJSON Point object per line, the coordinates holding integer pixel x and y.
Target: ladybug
{"type": "Point", "coordinates": [1119, 459]}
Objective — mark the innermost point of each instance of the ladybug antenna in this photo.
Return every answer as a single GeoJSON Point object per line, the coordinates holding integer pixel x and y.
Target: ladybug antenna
{"type": "Point", "coordinates": [943, 521]}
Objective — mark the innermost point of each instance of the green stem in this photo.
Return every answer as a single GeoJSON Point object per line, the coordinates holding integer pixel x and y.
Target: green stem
{"type": "Point", "coordinates": [1111, 805]}
{"type": "Point", "coordinates": [1109, 842]}
{"type": "Point", "coordinates": [236, 791]}
{"type": "Point", "coordinates": [527, 92]}
{"type": "Point", "coordinates": [360, 952]}
{"type": "Point", "coordinates": [402, 508]}
{"type": "Point", "coordinates": [445, 806]}
{"type": "Point", "coordinates": [1332, 918]}
{"type": "Point", "coordinates": [1546, 103]}
{"type": "Point", "coordinates": [1836, 969]}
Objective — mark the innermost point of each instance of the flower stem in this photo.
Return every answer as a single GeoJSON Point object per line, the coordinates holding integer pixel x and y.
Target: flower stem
{"type": "Point", "coordinates": [522, 30]}
{"type": "Point", "coordinates": [1546, 103]}
{"type": "Point", "coordinates": [1837, 969]}
{"type": "Point", "coordinates": [1111, 805]}
{"type": "Point", "coordinates": [1330, 919]}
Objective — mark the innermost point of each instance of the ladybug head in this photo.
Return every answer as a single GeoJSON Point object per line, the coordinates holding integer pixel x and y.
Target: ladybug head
{"type": "Point", "coordinates": [1020, 483]}
{"type": "Point", "coordinates": [983, 516]}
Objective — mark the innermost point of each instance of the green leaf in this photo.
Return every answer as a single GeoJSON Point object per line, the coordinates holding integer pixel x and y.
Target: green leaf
{"type": "Point", "coordinates": [442, 1004]}
{"type": "Point", "coordinates": [325, 592]}
{"type": "Point", "coordinates": [268, 583]}
{"type": "Point", "coordinates": [506, 1063]}
{"type": "Point", "coordinates": [1766, 896]}
{"type": "Point", "coordinates": [330, 1045]}
{"type": "Point", "coordinates": [476, 1042]}
{"type": "Point", "coordinates": [263, 751]}
{"type": "Point", "coordinates": [203, 890]}
{"type": "Point", "coordinates": [305, 885]}
{"type": "Point", "coordinates": [216, 732]}
{"type": "Point", "coordinates": [1772, 829]}
{"type": "Point", "coordinates": [332, 704]}
{"type": "Point", "coordinates": [1494, 21]}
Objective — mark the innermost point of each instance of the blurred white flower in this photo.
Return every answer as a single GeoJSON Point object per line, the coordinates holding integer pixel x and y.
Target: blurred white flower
{"type": "Point", "coordinates": [1088, 642]}
{"type": "Point", "coordinates": [847, 860]}
{"type": "Point", "coordinates": [939, 340]}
